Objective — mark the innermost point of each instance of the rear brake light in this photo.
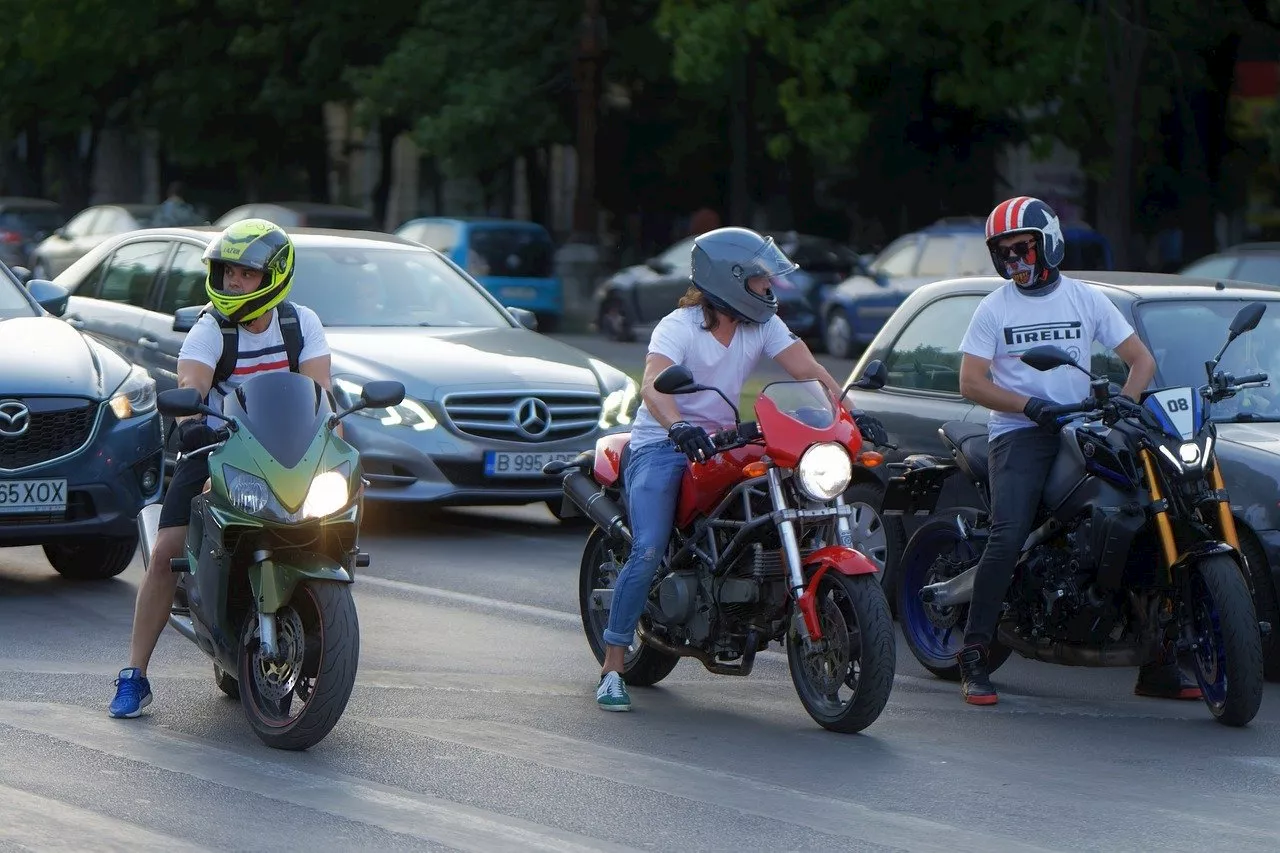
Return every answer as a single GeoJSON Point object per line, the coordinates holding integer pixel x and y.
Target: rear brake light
{"type": "Point", "coordinates": [10, 237]}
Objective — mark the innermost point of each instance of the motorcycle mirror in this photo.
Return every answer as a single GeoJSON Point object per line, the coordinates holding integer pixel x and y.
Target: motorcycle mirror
{"type": "Point", "coordinates": [1247, 318]}
{"type": "Point", "coordinates": [182, 402]}
{"type": "Point", "coordinates": [1049, 357]}
{"type": "Point", "coordinates": [676, 379]}
{"type": "Point", "coordinates": [382, 394]}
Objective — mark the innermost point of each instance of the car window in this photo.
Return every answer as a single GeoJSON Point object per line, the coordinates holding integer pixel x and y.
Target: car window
{"type": "Point", "coordinates": [30, 221]}
{"type": "Point", "coordinates": [680, 256]}
{"type": "Point", "coordinates": [109, 222]}
{"type": "Point", "coordinates": [975, 257]}
{"type": "Point", "coordinates": [898, 258]}
{"type": "Point", "coordinates": [12, 302]}
{"type": "Point", "coordinates": [1105, 362]}
{"type": "Point", "coordinates": [1260, 270]}
{"type": "Point", "coordinates": [184, 285]}
{"type": "Point", "coordinates": [131, 272]}
{"type": "Point", "coordinates": [926, 355]}
{"type": "Point", "coordinates": [81, 223]}
{"type": "Point", "coordinates": [937, 258]}
{"type": "Point", "coordinates": [1219, 266]}
{"type": "Point", "coordinates": [513, 252]}
{"type": "Point", "coordinates": [441, 236]}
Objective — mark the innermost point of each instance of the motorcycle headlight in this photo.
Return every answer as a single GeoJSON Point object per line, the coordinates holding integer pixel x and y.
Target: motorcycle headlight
{"type": "Point", "coordinates": [824, 471]}
{"type": "Point", "coordinates": [248, 493]}
{"type": "Point", "coordinates": [1189, 453]}
{"type": "Point", "coordinates": [620, 406]}
{"type": "Point", "coordinates": [408, 413]}
{"type": "Point", "coordinates": [135, 396]}
{"type": "Point", "coordinates": [328, 494]}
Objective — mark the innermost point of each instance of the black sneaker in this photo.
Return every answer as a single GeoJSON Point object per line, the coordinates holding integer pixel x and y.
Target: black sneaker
{"type": "Point", "coordinates": [1166, 681]}
{"type": "Point", "coordinates": [975, 683]}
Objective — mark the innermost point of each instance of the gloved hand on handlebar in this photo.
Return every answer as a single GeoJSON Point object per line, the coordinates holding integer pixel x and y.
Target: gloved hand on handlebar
{"type": "Point", "coordinates": [871, 428]}
{"type": "Point", "coordinates": [194, 434]}
{"type": "Point", "coordinates": [692, 441]}
{"type": "Point", "coordinates": [1038, 409]}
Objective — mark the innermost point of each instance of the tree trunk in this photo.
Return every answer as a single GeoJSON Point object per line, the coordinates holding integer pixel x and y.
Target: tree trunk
{"type": "Point", "coordinates": [740, 146]}
{"type": "Point", "coordinates": [536, 186]}
{"type": "Point", "coordinates": [1122, 24]}
{"type": "Point", "coordinates": [389, 129]}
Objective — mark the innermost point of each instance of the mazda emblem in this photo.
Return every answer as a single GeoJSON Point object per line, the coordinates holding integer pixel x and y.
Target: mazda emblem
{"type": "Point", "coordinates": [532, 417]}
{"type": "Point", "coordinates": [15, 418]}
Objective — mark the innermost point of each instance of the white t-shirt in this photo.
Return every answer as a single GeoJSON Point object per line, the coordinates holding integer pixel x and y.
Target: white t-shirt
{"type": "Point", "coordinates": [680, 337]}
{"type": "Point", "coordinates": [1008, 323]}
{"type": "Point", "coordinates": [256, 353]}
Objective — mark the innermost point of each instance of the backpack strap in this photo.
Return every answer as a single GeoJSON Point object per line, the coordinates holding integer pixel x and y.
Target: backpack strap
{"type": "Point", "coordinates": [291, 331]}
{"type": "Point", "coordinates": [230, 347]}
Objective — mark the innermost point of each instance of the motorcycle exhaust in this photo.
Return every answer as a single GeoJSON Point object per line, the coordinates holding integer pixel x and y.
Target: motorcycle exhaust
{"type": "Point", "coordinates": [596, 505]}
{"type": "Point", "coordinates": [958, 590]}
{"type": "Point", "coordinates": [148, 530]}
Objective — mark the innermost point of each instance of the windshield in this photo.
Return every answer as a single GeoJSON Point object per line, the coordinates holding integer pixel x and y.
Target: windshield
{"type": "Point", "coordinates": [30, 221]}
{"type": "Point", "coordinates": [806, 401]}
{"type": "Point", "coordinates": [388, 287]}
{"type": "Point", "coordinates": [283, 411]}
{"type": "Point", "coordinates": [511, 252]}
{"type": "Point", "coordinates": [12, 301]}
{"type": "Point", "coordinates": [1184, 334]}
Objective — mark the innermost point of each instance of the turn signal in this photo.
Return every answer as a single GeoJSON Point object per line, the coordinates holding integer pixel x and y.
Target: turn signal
{"type": "Point", "coordinates": [755, 469]}
{"type": "Point", "coordinates": [870, 459]}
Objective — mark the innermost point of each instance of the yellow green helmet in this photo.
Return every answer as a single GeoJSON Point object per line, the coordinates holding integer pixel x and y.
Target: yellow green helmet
{"type": "Point", "coordinates": [258, 245]}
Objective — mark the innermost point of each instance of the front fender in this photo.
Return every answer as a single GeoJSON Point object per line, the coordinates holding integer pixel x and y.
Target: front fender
{"type": "Point", "coordinates": [273, 581]}
{"type": "Point", "coordinates": [842, 559]}
{"type": "Point", "coordinates": [1209, 548]}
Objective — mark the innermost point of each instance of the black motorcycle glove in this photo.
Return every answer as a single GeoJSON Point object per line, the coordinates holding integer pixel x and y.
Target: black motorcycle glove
{"type": "Point", "coordinates": [872, 430]}
{"type": "Point", "coordinates": [1037, 409]}
{"type": "Point", "coordinates": [692, 441]}
{"type": "Point", "coordinates": [193, 434]}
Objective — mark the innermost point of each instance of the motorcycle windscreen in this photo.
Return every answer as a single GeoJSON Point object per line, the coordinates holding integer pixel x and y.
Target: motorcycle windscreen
{"type": "Point", "coordinates": [284, 411]}
{"type": "Point", "coordinates": [795, 414]}
{"type": "Point", "coordinates": [1179, 411]}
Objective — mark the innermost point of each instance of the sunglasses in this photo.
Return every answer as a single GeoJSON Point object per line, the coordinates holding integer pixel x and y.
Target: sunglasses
{"type": "Point", "coordinates": [1017, 250]}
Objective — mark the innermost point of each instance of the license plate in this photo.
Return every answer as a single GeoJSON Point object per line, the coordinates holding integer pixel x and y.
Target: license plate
{"type": "Point", "coordinates": [518, 293]}
{"type": "Point", "coordinates": [498, 464]}
{"type": "Point", "coordinates": [17, 496]}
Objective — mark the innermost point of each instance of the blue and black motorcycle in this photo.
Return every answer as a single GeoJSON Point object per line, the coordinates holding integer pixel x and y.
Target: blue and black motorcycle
{"type": "Point", "coordinates": [1134, 546]}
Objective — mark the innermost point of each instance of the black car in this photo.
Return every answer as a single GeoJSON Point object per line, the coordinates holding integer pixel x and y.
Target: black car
{"type": "Point", "coordinates": [1182, 320]}
{"type": "Point", "coordinates": [80, 445]}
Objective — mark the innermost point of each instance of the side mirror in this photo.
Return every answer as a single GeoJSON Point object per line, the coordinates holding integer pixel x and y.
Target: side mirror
{"type": "Point", "coordinates": [874, 376]}
{"type": "Point", "coordinates": [676, 379]}
{"type": "Point", "coordinates": [524, 317]}
{"type": "Point", "coordinates": [185, 318]}
{"type": "Point", "coordinates": [1247, 318]}
{"type": "Point", "coordinates": [60, 233]}
{"type": "Point", "coordinates": [52, 297]}
{"type": "Point", "coordinates": [382, 394]}
{"type": "Point", "coordinates": [182, 402]}
{"type": "Point", "coordinates": [658, 266]}
{"type": "Point", "coordinates": [1047, 357]}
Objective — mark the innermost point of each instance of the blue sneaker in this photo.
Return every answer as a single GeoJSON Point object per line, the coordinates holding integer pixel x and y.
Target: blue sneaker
{"type": "Point", "coordinates": [133, 693]}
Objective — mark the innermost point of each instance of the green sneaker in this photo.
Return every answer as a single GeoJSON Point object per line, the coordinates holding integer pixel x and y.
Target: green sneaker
{"type": "Point", "coordinates": [611, 695]}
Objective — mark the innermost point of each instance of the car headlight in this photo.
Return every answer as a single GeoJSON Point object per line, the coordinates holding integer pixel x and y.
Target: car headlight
{"type": "Point", "coordinates": [824, 471]}
{"type": "Point", "coordinates": [135, 396]}
{"type": "Point", "coordinates": [408, 413]}
{"type": "Point", "coordinates": [327, 495]}
{"type": "Point", "coordinates": [250, 494]}
{"type": "Point", "coordinates": [620, 406]}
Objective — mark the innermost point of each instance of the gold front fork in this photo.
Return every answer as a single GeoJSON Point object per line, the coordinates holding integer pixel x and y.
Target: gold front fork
{"type": "Point", "coordinates": [1162, 517]}
{"type": "Point", "coordinates": [1225, 518]}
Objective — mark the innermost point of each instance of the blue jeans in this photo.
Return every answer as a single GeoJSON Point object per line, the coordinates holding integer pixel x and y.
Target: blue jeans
{"type": "Point", "coordinates": [652, 481]}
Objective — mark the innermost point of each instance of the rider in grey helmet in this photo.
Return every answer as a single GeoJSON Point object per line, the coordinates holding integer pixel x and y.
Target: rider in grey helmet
{"type": "Point", "coordinates": [723, 324]}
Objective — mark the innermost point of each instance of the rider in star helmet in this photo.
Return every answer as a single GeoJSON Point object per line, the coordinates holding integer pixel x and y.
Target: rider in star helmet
{"type": "Point", "coordinates": [257, 245]}
{"type": "Point", "coordinates": [1031, 264]}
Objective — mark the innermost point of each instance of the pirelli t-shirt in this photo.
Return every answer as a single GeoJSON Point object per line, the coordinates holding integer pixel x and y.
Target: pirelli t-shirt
{"type": "Point", "coordinates": [1008, 323]}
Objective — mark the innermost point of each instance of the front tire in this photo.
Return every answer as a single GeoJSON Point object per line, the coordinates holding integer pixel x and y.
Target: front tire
{"type": "Point", "coordinates": [935, 635]}
{"type": "Point", "coordinates": [91, 559]}
{"type": "Point", "coordinates": [643, 665]}
{"type": "Point", "coordinates": [226, 682]}
{"type": "Point", "coordinates": [1224, 627]}
{"type": "Point", "coordinates": [856, 651]}
{"type": "Point", "coordinates": [293, 703]}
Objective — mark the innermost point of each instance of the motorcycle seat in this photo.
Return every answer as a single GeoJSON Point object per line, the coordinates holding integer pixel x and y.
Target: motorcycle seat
{"type": "Point", "coordinates": [968, 443]}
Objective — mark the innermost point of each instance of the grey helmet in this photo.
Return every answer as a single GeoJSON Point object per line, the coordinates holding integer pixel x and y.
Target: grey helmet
{"type": "Point", "coordinates": [725, 258]}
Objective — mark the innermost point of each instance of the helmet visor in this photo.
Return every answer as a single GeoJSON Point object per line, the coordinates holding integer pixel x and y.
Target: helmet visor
{"type": "Point", "coordinates": [769, 261]}
{"type": "Point", "coordinates": [252, 251]}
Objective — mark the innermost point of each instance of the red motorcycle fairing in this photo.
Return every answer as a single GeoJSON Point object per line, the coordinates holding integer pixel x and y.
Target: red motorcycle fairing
{"type": "Point", "coordinates": [608, 463]}
{"type": "Point", "coordinates": [841, 558]}
{"type": "Point", "coordinates": [705, 484]}
{"type": "Point", "coordinates": [788, 438]}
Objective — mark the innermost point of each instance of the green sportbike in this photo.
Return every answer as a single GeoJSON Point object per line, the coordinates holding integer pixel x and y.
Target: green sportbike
{"type": "Point", "coordinates": [271, 552]}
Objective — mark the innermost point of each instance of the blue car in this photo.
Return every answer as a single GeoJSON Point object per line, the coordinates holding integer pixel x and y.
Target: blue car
{"type": "Point", "coordinates": [512, 259]}
{"type": "Point", "coordinates": [853, 312]}
{"type": "Point", "coordinates": [80, 442]}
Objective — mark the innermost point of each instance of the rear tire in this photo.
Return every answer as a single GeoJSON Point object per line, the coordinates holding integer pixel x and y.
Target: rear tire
{"type": "Point", "coordinates": [645, 666]}
{"type": "Point", "coordinates": [91, 559]}
{"type": "Point", "coordinates": [1228, 660]}
{"type": "Point", "coordinates": [614, 322]}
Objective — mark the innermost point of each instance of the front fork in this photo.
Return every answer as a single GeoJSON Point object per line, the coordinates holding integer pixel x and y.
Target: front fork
{"type": "Point", "coordinates": [265, 591]}
{"type": "Point", "coordinates": [806, 624]}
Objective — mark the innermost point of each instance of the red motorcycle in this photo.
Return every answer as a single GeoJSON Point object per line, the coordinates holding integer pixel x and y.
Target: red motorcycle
{"type": "Point", "coordinates": [761, 551]}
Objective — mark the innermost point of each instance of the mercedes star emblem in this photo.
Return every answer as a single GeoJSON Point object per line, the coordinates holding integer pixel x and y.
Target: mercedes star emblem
{"type": "Point", "coordinates": [532, 417]}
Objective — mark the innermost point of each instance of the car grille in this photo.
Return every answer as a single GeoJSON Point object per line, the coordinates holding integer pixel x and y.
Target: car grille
{"type": "Point", "coordinates": [51, 434]}
{"type": "Point", "coordinates": [529, 416]}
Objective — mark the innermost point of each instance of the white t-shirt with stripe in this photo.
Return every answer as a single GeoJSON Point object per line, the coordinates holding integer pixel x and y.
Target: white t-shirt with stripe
{"type": "Point", "coordinates": [257, 353]}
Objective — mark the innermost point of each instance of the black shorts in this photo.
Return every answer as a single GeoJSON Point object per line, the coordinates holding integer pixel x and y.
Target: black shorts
{"type": "Point", "coordinates": [188, 481]}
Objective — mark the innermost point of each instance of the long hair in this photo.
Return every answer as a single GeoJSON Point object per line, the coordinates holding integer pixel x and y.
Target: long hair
{"type": "Point", "coordinates": [694, 298]}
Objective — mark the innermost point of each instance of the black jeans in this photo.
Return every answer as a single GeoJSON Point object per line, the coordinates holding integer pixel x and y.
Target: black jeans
{"type": "Point", "coordinates": [1018, 463]}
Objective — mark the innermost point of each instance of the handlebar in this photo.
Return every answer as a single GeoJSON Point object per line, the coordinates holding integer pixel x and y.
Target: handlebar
{"type": "Point", "coordinates": [1252, 377]}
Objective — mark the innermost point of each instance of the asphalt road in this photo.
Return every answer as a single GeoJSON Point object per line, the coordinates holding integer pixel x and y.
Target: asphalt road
{"type": "Point", "coordinates": [473, 726]}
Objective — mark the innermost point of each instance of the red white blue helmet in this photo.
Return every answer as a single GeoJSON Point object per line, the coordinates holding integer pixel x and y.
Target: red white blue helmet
{"type": "Point", "coordinates": [1027, 215]}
